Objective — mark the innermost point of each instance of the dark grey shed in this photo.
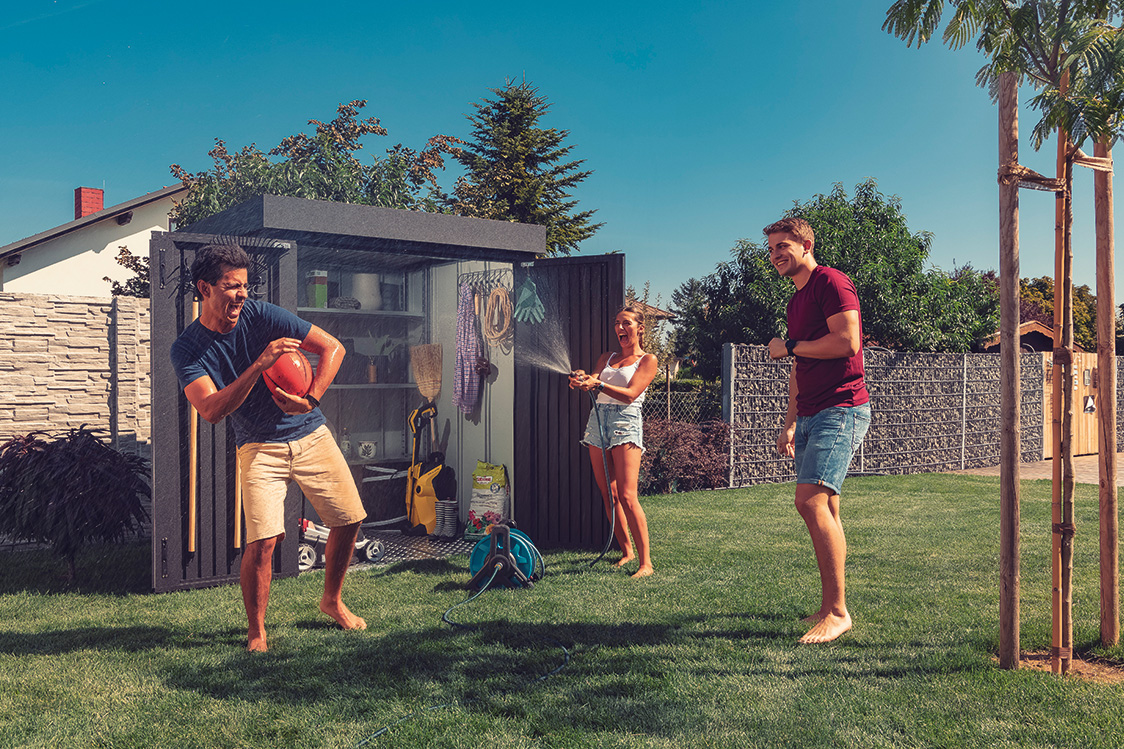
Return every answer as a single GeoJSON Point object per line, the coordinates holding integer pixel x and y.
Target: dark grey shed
{"type": "Point", "coordinates": [554, 494]}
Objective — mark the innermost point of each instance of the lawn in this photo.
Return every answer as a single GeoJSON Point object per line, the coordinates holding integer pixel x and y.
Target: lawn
{"type": "Point", "coordinates": [702, 654]}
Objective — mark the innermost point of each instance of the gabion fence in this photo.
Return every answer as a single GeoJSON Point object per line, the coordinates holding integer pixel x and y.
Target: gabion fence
{"type": "Point", "coordinates": [932, 412]}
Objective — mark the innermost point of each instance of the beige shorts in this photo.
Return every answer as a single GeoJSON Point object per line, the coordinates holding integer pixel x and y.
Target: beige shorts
{"type": "Point", "coordinates": [320, 470]}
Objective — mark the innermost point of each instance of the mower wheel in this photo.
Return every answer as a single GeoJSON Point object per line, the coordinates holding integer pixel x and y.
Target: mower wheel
{"type": "Point", "coordinates": [374, 551]}
{"type": "Point", "coordinates": [306, 557]}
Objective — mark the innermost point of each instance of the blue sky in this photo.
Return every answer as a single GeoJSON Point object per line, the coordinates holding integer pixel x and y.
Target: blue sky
{"type": "Point", "coordinates": [702, 122]}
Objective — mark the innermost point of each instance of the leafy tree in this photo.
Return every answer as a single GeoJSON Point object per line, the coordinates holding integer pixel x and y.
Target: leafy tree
{"type": "Point", "coordinates": [1041, 41]}
{"type": "Point", "coordinates": [322, 166]}
{"type": "Point", "coordinates": [518, 171]}
{"type": "Point", "coordinates": [658, 335]}
{"type": "Point", "coordinates": [137, 285]}
{"type": "Point", "coordinates": [905, 306]}
{"type": "Point", "coordinates": [1038, 294]}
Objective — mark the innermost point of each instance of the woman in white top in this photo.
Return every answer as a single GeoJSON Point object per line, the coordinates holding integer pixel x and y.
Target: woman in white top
{"type": "Point", "coordinates": [620, 381]}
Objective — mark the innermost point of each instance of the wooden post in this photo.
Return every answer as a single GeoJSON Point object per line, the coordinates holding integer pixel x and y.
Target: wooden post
{"type": "Point", "coordinates": [1106, 404]}
{"type": "Point", "coordinates": [1010, 379]}
{"type": "Point", "coordinates": [667, 379]}
{"type": "Point", "coordinates": [1061, 651]}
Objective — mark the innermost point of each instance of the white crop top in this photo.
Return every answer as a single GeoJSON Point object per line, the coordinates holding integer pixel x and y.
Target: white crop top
{"type": "Point", "coordinates": [618, 377]}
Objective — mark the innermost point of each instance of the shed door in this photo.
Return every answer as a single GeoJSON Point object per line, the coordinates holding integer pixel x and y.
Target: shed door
{"type": "Point", "coordinates": [194, 538]}
{"type": "Point", "coordinates": [556, 498]}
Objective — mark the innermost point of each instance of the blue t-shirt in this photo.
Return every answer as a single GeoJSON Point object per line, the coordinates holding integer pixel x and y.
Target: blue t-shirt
{"type": "Point", "coordinates": [224, 356]}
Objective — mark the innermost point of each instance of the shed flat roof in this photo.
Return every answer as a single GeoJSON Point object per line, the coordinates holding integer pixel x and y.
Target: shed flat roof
{"type": "Point", "coordinates": [335, 227]}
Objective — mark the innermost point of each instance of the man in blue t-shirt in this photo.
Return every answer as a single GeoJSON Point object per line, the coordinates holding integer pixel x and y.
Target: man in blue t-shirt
{"type": "Point", "coordinates": [281, 438]}
{"type": "Point", "coordinates": [828, 405]}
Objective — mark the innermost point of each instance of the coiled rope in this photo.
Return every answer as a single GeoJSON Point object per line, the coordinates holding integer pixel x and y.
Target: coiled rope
{"type": "Point", "coordinates": [497, 316]}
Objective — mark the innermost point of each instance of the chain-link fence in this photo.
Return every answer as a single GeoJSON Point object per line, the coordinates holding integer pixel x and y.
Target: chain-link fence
{"type": "Point", "coordinates": [694, 407]}
{"type": "Point", "coordinates": [932, 412]}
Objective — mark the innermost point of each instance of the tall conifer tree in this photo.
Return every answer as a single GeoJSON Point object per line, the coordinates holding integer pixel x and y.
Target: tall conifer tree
{"type": "Point", "coordinates": [518, 171]}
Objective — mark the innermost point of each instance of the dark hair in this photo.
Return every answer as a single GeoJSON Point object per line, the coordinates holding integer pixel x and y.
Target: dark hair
{"type": "Point", "coordinates": [215, 259]}
{"type": "Point", "coordinates": [797, 227]}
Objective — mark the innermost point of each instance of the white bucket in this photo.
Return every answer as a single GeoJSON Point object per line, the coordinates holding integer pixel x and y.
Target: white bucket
{"type": "Point", "coordinates": [365, 288]}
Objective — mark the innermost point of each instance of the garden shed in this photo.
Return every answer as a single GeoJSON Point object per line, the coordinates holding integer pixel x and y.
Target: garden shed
{"type": "Point", "coordinates": [382, 281]}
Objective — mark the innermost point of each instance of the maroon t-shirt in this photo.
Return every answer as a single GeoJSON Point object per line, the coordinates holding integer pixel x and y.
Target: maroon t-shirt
{"type": "Point", "coordinates": [823, 383]}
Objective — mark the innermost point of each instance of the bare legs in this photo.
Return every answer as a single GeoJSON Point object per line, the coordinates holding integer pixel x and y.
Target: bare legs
{"type": "Point", "coordinates": [337, 558]}
{"type": "Point", "coordinates": [256, 574]}
{"type": "Point", "coordinates": [624, 468]}
{"type": "Point", "coordinates": [820, 510]}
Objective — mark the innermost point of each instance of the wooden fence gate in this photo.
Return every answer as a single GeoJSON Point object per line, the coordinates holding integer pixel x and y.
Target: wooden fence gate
{"type": "Point", "coordinates": [1086, 401]}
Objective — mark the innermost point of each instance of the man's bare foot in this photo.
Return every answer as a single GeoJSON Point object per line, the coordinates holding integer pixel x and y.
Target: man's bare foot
{"type": "Point", "coordinates": [256, 645]}
{"type": "Point", "coordinates": [827, 629]}
{"type": "Point", "coordinates": [644, 571]}
{"type": "Point", "coordinates": [813, 618]}
{"type": "Point", "coordinates": [342, 615]}
{"type": "Point", "coordinates": [625, 560]}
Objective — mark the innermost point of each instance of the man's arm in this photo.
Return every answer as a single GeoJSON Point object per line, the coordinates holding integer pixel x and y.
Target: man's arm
{"type": "Point", "coordinates": [214, 405]}
{"type": "Point", "coordinates": [786, 440]}
{"type": "Point", "coordinates": [842, 341]}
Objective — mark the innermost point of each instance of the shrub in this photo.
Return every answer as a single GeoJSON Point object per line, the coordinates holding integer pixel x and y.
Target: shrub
{"type": "Point", "coordinates": [69, 491]}
{"type": "Point", "coordinates": [682, 456]}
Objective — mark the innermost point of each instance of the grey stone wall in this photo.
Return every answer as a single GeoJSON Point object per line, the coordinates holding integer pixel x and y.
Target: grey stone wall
{"type": "Point", "coordinates": [932, 412]}
{"type": "Point", "coordinates": [67, 361]}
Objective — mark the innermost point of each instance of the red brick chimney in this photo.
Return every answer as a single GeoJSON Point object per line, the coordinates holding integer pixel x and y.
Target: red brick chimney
{"type": "Point", "coordinates": [88, 200]}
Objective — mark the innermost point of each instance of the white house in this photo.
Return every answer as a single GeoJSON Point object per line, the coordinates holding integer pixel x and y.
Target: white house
{"type": "Point", "coordinates": [72, 259]}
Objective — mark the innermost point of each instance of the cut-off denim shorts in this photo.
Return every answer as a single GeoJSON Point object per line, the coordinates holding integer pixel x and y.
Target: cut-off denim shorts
{"type": "Point", "coordinates": [826, 442]}
{"type": "Point", "coordinates": [622, 425]}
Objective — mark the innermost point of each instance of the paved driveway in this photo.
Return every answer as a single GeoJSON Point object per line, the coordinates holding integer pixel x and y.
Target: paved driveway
{"type": "Point", "coordinates": [1085, 467]}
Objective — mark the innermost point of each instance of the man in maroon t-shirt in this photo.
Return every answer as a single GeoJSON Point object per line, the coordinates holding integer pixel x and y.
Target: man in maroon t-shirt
{"type": "Point", "coordinates": [828, 405]}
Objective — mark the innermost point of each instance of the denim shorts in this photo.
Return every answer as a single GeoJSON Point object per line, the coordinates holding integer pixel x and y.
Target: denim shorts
{"type": "Point", "coordinates": [826, 442]}
{"type": "Point", "coordinates": [622, 425]}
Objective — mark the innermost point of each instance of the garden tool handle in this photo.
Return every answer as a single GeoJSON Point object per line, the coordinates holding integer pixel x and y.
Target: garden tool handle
{"type": "Point", "coordinates": [192, 460]}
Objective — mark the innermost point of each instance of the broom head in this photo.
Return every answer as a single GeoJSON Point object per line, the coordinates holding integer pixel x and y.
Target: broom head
{"type": "Point", "coordinates": [425, 361]}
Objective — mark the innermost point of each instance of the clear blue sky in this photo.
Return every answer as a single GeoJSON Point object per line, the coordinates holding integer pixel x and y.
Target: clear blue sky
{"type": "Point", "coordinates": [702, 122]}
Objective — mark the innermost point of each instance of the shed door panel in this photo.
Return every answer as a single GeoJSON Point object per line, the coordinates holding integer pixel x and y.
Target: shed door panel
{"type": "Point", "coordinates": [217, 551]}
{"type": "Point", "coordinates": [556, 498]}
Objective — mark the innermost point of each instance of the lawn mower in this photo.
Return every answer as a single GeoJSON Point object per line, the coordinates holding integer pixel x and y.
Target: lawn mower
{"type": "Point", "coordinates": [314, 539]}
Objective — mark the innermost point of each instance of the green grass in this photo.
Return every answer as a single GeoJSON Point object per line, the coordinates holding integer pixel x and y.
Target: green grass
{"type": "Point", "coordinates": [703, 654]}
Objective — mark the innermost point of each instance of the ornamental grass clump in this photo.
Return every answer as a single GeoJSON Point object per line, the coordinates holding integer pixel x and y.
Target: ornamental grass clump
{"type": "Point", "coordinates": [69, 491]}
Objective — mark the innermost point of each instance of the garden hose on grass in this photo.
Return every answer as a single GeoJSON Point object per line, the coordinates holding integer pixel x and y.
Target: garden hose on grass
{"type": "Point", "coordinates": [496, 569]}
{"type": "Point", "coordinates": [608, 483]}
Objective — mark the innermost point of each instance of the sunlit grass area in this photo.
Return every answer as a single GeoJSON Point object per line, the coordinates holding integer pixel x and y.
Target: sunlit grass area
{"type": "Point", "coordinates": [702, 654]}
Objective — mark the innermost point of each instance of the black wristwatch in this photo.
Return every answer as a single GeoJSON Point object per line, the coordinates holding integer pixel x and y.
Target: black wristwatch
{"type": "Point", "coordinates": [312, 399]}
{"type": "Point", "coordinates": [790, 345]}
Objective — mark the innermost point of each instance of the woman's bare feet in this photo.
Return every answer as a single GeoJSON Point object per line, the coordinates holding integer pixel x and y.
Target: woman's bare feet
{"type": "Point", "coordinates": [342, 615]}
{"type": "Point", "coordinates": [827, 629]}
{"type": "Point", "coordinates": [644, 571]}
{"type": "Point", "coordinates": [813, 618]}
{"type": "Point", "coordinates": [256, 644]}
{"type": "Point", "coordinates": [625, 560]}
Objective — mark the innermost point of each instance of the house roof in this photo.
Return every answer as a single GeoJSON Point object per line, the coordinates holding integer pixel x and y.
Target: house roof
{"type": "Point", "coordinates": [106, 213]}
{"type": "Point", "coordinates": [1028, 328]}
{"type": "Point", "coordinates": [651, 311]}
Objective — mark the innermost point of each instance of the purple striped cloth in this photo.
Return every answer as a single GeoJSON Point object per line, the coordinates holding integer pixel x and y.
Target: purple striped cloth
{"type": "Point", "coordinates": [468, 385]}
